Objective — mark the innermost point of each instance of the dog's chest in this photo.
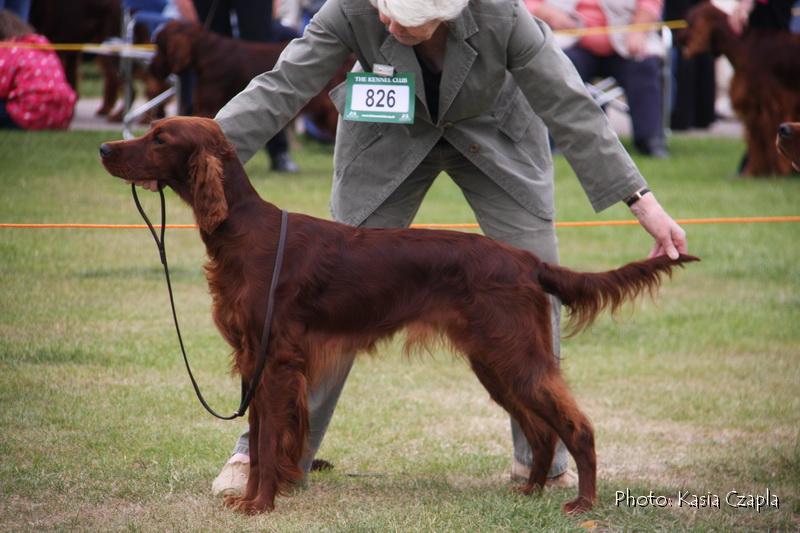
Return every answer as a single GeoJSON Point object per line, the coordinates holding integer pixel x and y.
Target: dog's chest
{"type": "Point", "coordinates": [231, 308]}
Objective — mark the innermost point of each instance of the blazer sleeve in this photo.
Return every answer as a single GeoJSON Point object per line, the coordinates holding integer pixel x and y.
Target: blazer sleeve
{"type": "Point", "coordinates": [579, 127]}
{"type": "Point", "coordinates": [273, 98]}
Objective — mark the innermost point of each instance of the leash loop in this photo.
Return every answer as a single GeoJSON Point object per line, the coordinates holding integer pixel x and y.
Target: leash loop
{"type": "Point", "coordinates": [247, 391]}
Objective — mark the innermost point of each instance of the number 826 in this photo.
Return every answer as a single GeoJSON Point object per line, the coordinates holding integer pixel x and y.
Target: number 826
{"type": "Point", "coordinates": [380, 98]}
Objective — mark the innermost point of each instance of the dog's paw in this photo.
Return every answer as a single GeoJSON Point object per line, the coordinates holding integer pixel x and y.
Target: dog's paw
{"type": "Point", "coordinates": [577, 506]}
{"type": "Point", "coordinates": [527, 489]}
{"type": "Point", "coordinates": [321, 465]}
{"type": "Point", "coordinates": [231, 501]}
{"type": "Point", "coordinates": [248, 506]}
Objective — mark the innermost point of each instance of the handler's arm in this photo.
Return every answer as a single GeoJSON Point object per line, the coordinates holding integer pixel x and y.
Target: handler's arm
{"type": "Point", "coordinates": [557, 94]}
{"type": "Point", "coordinates": [272, 99]}
{"type": "Point", "coordinates": [581, 130]}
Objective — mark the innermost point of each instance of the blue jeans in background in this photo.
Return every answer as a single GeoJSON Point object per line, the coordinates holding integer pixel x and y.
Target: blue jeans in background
{"type": "Point", "coordinates": [20, 8]}
{"type": "Point", "coordinates": [6, 121]}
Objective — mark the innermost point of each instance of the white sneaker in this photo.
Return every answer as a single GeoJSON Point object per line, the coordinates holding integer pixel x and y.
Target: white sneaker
{"type": "Point", "coordinates": [232, 480]}
{"type": "Point", "coordinates": [567, 480]}
{"type": "Point", "coordinates": [520, 474]}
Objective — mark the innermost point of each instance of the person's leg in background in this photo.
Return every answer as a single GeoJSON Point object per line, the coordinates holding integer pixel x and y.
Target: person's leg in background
{"type": "Point", "coordinates": [220, 23]}
{"type": "Point", "coordinates": [586, 63]}
{"type": "Point", "coordinates": [693, 91]}
{"type": "Point", "coordinates": [220, 18]}
{"type": "Point", "coordinates": [21, 8]}
{"type": "Point", "coordinates": [641, 81]}
{"type": "Point", "coordinates": [254, 19]}
{"type": "Point", "coordinates": [255, 24]}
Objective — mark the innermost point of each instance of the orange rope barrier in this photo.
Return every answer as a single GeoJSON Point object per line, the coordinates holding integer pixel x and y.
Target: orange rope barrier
{"type": "Point", "coordinates": [575, 224]}
{"type": "Point", "coordinates": [93, 226]}
{"type": "Point", "coordinates": [598, 223]}
{"type": "Point", "coordinates": [628, 28]}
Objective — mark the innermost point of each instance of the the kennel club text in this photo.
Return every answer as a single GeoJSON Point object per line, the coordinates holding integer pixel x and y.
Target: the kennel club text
{"type": "Point", "coordinates": [686, 498]}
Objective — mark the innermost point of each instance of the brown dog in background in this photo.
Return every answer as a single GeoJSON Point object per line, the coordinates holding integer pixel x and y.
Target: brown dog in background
{"type": "Point", "coordinates": [765, 88]}
{"type": "Point", "coordinates": [344, 289]}
{"type": "Point", "coordinates": [788, 143]}
{"type": "Point", "coordinates": [223, 66]}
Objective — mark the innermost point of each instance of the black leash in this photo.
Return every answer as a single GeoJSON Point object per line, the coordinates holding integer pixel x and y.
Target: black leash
{"type": "Point", "coordinates": [247, 392]}
{"type": "Point", "coordinates": [210, 16]}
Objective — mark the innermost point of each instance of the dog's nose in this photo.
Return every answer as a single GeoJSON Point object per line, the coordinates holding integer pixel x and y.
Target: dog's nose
{"type": "Point", "coordinates": [784, 131]}
{"type": "Point", "coordinates": [105, 150]}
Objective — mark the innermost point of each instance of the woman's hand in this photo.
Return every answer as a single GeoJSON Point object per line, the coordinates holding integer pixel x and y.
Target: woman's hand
{"type": "Point", "coordinates": [669, 236]}
{"type": "Point", "coordinates": [636, 42]}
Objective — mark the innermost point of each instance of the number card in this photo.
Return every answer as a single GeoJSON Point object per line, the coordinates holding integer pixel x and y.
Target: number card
{"type": "Point", "coordinates": [372, 98]}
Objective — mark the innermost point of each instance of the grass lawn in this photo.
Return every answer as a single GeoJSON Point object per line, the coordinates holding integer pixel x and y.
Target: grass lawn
{"type": "Point", "coordinates": [698, 391]}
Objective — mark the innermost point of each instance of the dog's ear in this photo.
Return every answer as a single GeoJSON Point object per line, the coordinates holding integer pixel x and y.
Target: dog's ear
{"type": "Point", "coordinates": [179, 52]}
{"type": "Point", "coordinates": [208, 191]}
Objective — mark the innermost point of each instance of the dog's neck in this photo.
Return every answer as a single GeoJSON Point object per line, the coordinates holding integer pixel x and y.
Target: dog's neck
{"type": "Point", "coordinates": [247, 211]}
{"type": "Point", "coordinates": [724, 41]}
{"type": "Point", "coordinates": [237, 186]}
{"type": "Point", "coordinates": [732, 47]}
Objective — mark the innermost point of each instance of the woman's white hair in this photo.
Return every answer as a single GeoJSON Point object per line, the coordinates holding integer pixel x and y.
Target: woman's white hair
{"type": "Point", "coordinates": [412, 13]}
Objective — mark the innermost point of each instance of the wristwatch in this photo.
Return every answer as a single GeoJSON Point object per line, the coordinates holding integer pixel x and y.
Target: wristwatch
{"type": "Point", "coordinates": [635, 197]}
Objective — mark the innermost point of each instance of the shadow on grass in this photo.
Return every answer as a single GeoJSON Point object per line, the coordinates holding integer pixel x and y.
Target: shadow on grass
{"type": "Point", "coordinates": [149, 273]}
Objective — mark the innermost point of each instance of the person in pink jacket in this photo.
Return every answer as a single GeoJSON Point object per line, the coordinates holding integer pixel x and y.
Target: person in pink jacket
{"type": "Point", "coordinates": [34, 93]}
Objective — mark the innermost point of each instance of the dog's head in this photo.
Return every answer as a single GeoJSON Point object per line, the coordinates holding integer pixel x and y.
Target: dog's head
{"type": "Point", "coordinates": [788, 142]}
{"type": "Point", "coordinates": [705, 23]}
{"type": "Point", "coordinates": [185, 153]}
{"type": "Point", "coordinates": [174, 48]}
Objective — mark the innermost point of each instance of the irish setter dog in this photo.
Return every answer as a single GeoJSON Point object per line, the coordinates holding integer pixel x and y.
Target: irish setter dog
{"type": "Point", "coordinates": [765, 88]}
{"type": "Point", "coordinates": [788, 143]}
{"type": "Point", "coordinates": [343, 289]}
{"type": "Point", "coordinates": [223, 66]}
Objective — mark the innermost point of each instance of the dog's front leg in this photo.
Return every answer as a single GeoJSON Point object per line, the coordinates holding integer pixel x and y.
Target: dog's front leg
{"type": "Point", "coordinates": [254, 421]}
{"type": "Point", "coordinates": [280, 412]}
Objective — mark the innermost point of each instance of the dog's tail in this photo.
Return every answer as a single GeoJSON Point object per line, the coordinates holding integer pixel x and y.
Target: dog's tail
{"type": "Point", "coordinates": [587, 294]}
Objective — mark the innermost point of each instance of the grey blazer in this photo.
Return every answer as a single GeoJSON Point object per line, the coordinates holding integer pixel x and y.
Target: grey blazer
{"type": "Point", "coordinates": [504, 83]}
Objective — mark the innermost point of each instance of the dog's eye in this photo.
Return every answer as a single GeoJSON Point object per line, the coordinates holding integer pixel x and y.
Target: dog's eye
{"type": "Point", "coordinates": [158, 140]}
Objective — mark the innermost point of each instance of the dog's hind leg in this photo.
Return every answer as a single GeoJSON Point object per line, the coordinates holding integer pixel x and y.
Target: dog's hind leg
{"type": "Point", "coordinates": [531, 381]}
{"type": "Point", "coordinates": [541, 438]}
{"type": "Point", "coordinates": [543, 446]}
{"type": "Point", "coordinates": [552, 401]}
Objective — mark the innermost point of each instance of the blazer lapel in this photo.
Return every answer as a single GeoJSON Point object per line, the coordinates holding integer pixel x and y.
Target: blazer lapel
{"type": "Point", "coordinates": [458, 59]}
{"type": "Point", "coordinates": [403, 59]}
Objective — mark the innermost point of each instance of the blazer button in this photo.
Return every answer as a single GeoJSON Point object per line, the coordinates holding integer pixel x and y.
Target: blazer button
{"type": "Point", "coordinates": [473, 148]}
